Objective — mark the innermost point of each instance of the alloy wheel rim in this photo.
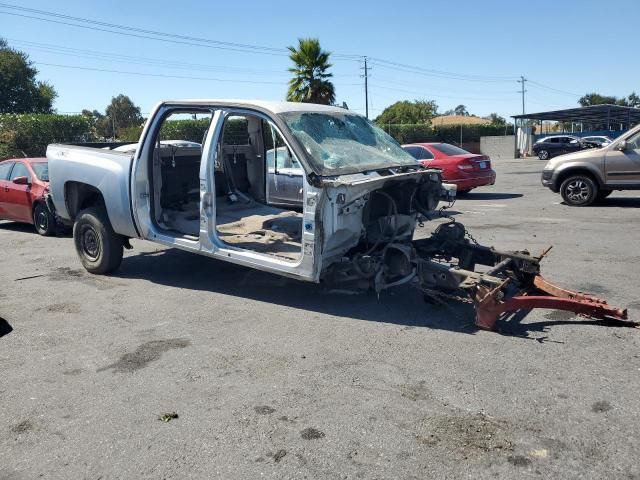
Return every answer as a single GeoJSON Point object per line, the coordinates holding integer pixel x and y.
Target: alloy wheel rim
{"type": "Point", "coordinates": [578, 191]}
{"type": "Point", "coordinates": [544, 154]}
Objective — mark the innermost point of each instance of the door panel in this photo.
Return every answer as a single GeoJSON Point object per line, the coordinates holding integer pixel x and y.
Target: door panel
{"type": "Point", "coordinates": [18, 197]}
{"type": "Point", "coordinates": [5, 169]}
{"type": "Point", "coordinates": [285, 187]}
{"type": "Point", "coordinates": [623, 167]}
{"type": "Point", "coordinates": [276, 187]}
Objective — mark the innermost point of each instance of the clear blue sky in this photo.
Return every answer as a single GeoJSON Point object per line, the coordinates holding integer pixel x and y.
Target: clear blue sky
{"type": "Point", "coordinates": [573, 47]}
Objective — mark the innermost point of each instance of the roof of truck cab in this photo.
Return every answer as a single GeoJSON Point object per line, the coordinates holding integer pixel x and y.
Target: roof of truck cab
{"type": "Point", "coordinates": [274, 107]}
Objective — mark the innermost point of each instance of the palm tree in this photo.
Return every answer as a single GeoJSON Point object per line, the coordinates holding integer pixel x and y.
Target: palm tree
{"type": "Point", "coordinates": [310, 82]}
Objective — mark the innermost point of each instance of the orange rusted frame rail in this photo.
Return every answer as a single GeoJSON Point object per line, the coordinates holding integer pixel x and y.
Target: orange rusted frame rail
{"type": "Point", "coordinates": [490, 305]}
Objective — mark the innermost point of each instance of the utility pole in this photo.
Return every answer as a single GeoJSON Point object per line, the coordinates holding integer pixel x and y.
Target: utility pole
{"type": "Point", "coordinates": [522, 91]}
{"type": "Point", "coordinates": [366, 87]}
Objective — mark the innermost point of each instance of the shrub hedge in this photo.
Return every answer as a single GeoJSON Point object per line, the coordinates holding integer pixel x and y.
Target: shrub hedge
{"type": "Point", "coordinates": [29, 134]}
{"type": "Point", "coordinates": [448, 133]}
{"type": "Point", "coordinates": [193, 130]}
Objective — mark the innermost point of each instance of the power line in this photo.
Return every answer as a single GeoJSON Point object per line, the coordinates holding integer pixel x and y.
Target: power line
{"type": "Point", "coordinates": [97, 25]}
{"type": "Point", "coordinates": [154, 33]}
{"type": "Point", "coordinates": [435, 95]}
{"type": "Point", "coordinates": [564, 92]}
{"type": "Point", "coordinates": [93, 54]}
{"type": "Point", "coordinates": [161, 75]}
{"type": "Point", "coordinates": [421, 85]}
{"type": "Point", "coordinates": [439, 73]}
{"type": "Point", "coordinates": [95, 28]}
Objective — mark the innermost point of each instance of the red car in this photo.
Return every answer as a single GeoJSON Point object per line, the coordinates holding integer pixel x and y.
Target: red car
{"type": "Point", "coordinates": [464, 169]}
{"type": "Point", "coordinates": [23, 184]}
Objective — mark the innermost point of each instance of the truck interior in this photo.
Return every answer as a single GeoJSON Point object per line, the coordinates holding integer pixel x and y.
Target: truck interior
{"type": "Point", "coordinates": [244, 216]}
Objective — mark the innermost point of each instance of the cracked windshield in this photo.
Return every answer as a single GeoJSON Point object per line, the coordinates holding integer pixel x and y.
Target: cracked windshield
{"type": "Point", "coordinates": [345, 143]}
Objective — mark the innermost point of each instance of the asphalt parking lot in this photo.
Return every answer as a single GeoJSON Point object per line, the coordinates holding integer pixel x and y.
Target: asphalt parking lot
{"type": "Point", "coordinates": [272, 378]}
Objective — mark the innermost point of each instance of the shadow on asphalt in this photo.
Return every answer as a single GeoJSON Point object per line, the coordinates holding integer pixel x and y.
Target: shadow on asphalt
{"type": "Point", "coordinates": [403, 306]}
{"type": "Point", "coordinates": [28, 228]}
{"type": "Point", "coordinates": [488, 196]}
{"type": "Point", "coordinates": [623, 202]}
{"type": "Point", "coordinates": [5, 327]}
{"type": "Point", "coordinates": [18, 227]}
{"type": "Point", "coordinates": [400, 306]}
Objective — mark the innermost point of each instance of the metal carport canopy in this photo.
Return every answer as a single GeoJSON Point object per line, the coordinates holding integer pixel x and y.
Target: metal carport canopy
{"type": "Point", "coordinates": [592, 114]}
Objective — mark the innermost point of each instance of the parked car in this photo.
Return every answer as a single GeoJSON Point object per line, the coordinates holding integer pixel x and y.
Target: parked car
{"type": "Point", "coordinates": [584, 177]}
{"type": "Point", "coordinates": [597, 141]}
{"type": "Point", "coordinates": [549, 147]}
{"type": "Point", "coordinates": [23, 185]}
{"type": "Point", "coordinates": [464, 169]}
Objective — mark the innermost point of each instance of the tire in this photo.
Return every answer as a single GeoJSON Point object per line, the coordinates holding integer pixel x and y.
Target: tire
{"type": "Point", "coordinates": [43, 220]}
{"type": "Point", "coordinates": [579, 191]}
{"type": "Point", "coordinates": [602, 194]}
{"type": "Point", "coordinates": [98, 246]}
{"type": "Point", "coordinates": [544, 155]}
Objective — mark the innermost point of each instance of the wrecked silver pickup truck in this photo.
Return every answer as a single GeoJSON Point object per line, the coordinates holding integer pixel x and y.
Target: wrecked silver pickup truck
{"type": "Point", "coordinates": [362, 197]}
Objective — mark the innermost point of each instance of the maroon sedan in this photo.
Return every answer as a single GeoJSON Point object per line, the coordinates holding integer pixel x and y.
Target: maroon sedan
{"type": "Point", "coordinates": [464, 169]}
{"type": "Point", "coordinates": [23, 184]}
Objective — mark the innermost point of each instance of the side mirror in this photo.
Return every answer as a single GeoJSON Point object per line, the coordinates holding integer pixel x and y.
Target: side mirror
{"type": "Point", "coordinates": [21, 181]}
{"type": "Point", "coordinates": [621, 146]}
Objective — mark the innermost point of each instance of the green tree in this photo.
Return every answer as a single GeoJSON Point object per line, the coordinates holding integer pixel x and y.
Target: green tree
{"type": "Point", "coordinates": [417, 112]}
{"type": "Point", "coordinates": [120, 114]}
{"type": "Point", "coordinates": [497, 119]}
{"type": "Point", "coordinates": [633, 100]}
{"type": "Point", "coordinates": [20, 92]}
{"type": "Point", "coordinates": [597, 99]}
{"type": "Point", "coordinates": [310, 82]}
{"type": "Point", "coordinates": [461, 110]}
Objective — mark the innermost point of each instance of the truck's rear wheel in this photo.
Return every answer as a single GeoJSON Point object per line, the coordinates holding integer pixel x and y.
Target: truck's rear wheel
{"type": "Point", "coordinates": [98, 246]}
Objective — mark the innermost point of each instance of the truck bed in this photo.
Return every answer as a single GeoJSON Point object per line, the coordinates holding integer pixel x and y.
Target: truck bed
{"type": "Point", "coordinates": [107, 171]}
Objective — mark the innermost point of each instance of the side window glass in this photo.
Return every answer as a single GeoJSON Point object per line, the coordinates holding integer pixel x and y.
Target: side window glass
{"type": "Point", "coordinates": [413, 151]}
{"type": "Point", "coordinates": [633, 143]}
{"type": "Point", "coordinates": [554, 140]}
{"type": "Point", "coordinates": [20, 170]}
{"type": "Point", "coordinates": [276, 151]}
{"type": "Point", "coordinates": [425, 154]}
{"type": "Point", "coordinates": [4, 170]}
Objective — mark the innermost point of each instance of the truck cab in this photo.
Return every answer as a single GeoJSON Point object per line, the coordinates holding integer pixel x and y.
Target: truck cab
{"type": "Point", "coordinates": [288, 188]}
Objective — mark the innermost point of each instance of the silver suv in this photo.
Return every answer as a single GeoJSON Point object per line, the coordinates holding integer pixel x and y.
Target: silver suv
{"type": "Point", "coordinates": [589, 175]}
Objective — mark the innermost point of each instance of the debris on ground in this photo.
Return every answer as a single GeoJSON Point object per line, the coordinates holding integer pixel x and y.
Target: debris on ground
{"type": "Point", "coordinates": [279, 455]}
{"type": "Point", "coordinates": [167, 417]}
{"type": "Point", "coordinates": [311, 433]}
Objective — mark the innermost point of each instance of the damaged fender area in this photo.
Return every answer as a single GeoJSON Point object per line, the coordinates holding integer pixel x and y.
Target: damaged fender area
{"type": "Point", "coordinates": [448, 265]}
